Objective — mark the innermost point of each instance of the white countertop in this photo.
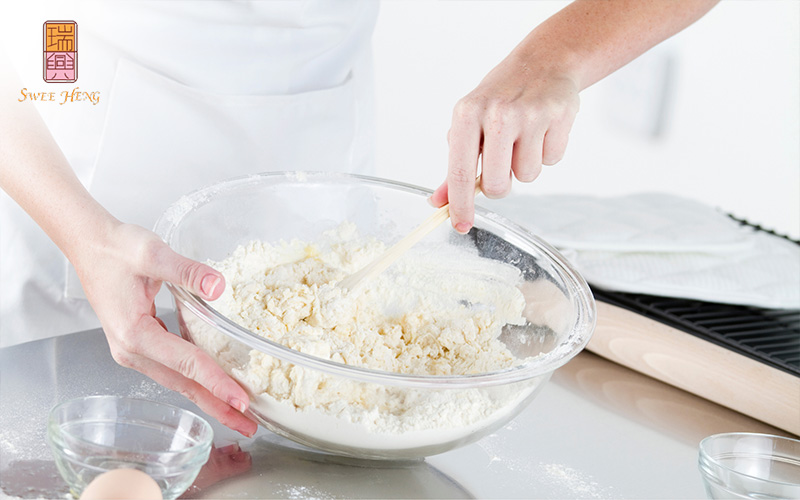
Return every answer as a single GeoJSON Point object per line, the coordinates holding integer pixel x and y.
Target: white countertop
{"type": "Point", "coordinates": [597, 430]}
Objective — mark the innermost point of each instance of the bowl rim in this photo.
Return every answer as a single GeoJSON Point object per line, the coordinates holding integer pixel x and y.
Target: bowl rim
{"type": "Point", "coordinates": [166, 225]}
{"type": "Point", "coordinates": [56, 432]}
{"type": "Point", "coordinates": [706, 458]}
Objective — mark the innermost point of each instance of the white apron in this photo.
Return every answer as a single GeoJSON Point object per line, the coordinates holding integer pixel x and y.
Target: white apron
{"type": "Point", "coordinates": [196, 92]}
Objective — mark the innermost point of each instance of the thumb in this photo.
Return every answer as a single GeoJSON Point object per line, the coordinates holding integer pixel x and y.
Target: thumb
{"type": "Point", "coordinates": [196, 277]}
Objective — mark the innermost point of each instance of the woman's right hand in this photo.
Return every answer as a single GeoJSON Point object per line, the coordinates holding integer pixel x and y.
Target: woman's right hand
{"type": "Point", "coordinates": [121, 277]}
{"type": "Point", "coordinates": [520, 115]}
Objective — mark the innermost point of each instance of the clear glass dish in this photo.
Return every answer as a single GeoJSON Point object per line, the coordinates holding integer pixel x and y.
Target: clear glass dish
{"type": "Point", "coordinates": [95, 434]}
{"type": "Point", "coordinates": [748, 465]}
{"type": "Point", "coordinates": [210, 223]}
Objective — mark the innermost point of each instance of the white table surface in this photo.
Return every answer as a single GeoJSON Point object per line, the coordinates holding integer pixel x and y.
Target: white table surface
{"type": "Point", "coordinates": [597, 430]}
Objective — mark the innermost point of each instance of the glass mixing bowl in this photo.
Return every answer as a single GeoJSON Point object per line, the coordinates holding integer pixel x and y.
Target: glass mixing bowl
{"type": "Point", "coordinates": [750, 465]}
{"type": "Point", "coordinates": [95, 434]}
{"type": "Point", "coordinates": [416, 415]}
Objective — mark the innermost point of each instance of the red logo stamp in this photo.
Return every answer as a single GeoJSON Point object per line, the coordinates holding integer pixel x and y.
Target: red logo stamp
{"type": "Point", "coordinates": [60, 51]}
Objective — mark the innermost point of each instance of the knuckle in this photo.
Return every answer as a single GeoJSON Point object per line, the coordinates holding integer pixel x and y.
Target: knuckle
{"type": "Point", "coordinates": [128, 346]}
{"type": "Point", "coordinates": [532, 115]}
{"type": "Point", "coordinates": [215, 385]}
{"type": "Point", "coordinates": [224, 416]}
{"type": "Point", "coordinates": [552, 158]}
{"type": "Point", "coordinates": [467, 107]}
{"type": "Point", "coordinates": [122, 341]}
{"type": "Point", "coordinates": [573, 106]}
{"type": "Point", "coordinates": [122, 356]}
{"type": "Point", "coordinates": [553, 109]}
{"type": "Point", "coordinates": [544, 112]}
{"type": "Point", "coordinates": [561, 111]}
{"type": "Point", "coordinates": [149, 252]}
{"type": "Point", "coordinates": [503, 115]}
{"type": "Point", "coordinates": [495, 188]}
{"type": "Point", "coordinates": [528, 173]}
{"type": "Point", "coordinates": [499, 109]}
{"type": "Point", "coordinates": [553, 150]}
{"type": "Point", "coordinates": [127, 339]}
{"type": "Point", "coordinates": [229, 417]}
{"type": "Point", "coordinates": [461, 175]}
{"type": "Point", "coordinates": [187, 365]}
{"type": "Point", "coordinates": [188, 272]}
{"type": "Point", "coordinates": [214, 380]}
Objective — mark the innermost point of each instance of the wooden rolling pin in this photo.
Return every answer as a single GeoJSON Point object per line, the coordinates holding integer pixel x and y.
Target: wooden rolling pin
{"type": "Point", "coordinates": [697, 366]}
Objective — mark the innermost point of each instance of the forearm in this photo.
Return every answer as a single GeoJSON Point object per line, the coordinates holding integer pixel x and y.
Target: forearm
{"type": "Point", "coordinates": [35, 173]}
{"type": "Point", "coordinates": [590, 39]}
{"type": "Point", "coordinates": [519, 117]}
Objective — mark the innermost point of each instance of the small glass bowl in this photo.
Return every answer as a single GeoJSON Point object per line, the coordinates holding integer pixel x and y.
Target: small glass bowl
{"type": "Point", "coordinates": [746, 465]}
{"type": "Point", "coordinates": [95, 434]}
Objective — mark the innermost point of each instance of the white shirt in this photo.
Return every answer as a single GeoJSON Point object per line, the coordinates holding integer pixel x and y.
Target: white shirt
{"type": "Point", "coordinates": [191, 93]}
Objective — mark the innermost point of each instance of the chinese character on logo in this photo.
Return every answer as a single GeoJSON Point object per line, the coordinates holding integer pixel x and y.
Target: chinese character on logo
{"type": "Point", "coordinates": [60, 51]}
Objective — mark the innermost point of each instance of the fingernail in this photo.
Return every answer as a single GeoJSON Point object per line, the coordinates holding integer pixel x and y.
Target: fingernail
{"type": "Point", "coordinates": [238, 404]}
{"type": "Point", "coordinates": [242, 456]}
{"type": "Point", "coordinates": [430, 201]}
{"type": "Point", "coordinates": [463, 227]}
{"type": "Point", "coordinates": [209, 284]}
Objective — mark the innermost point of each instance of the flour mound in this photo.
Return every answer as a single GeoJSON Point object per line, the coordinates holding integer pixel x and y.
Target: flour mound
{"type": "Point", "coordinates": [434, 312]}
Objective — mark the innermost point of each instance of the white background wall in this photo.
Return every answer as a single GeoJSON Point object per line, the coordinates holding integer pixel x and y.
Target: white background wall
{"type": "Point", "coordinates": [730, 135]}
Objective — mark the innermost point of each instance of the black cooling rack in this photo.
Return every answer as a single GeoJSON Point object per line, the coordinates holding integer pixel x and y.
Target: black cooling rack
{"type": "Point", "coordinates": [771, 336]}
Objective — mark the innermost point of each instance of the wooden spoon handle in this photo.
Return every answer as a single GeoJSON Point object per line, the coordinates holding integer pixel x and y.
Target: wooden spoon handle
{"type": "Point", "coordinates": [386, 259]}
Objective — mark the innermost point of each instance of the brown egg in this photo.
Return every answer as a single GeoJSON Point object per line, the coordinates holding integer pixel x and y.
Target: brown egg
{"type": "Point", "coordinates": [122, 484]}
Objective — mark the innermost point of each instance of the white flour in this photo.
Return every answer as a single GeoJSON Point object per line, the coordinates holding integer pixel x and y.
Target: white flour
{"type": "Point", "coordinates": [430, 314]}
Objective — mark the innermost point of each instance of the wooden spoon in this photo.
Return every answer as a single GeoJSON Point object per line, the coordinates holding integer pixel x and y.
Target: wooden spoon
{"type": "Point", "coordinates": [386, 259]}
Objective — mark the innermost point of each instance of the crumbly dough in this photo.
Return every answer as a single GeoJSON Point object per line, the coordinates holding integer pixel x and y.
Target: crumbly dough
{"type": "Point", "coordinates": [434, 312]}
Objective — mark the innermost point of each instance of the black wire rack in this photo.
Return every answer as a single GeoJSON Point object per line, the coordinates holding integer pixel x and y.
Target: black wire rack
{"type": "Point", "coordinates": [771, 336]}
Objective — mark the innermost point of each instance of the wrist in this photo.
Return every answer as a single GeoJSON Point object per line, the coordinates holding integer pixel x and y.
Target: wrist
{"type": "Point", "coordinates": [89, 236]}
{"type": "Point", "coordinates": [535, 59]}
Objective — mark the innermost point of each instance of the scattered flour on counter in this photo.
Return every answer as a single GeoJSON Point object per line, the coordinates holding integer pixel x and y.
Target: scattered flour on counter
{"type": "Point", "coordinates": [431, 313]}
{"type": "Point", "coordinates": [577, 483]}
{"type": "Point", "coordinates": [147, 389]}
{"type": "Point", "coordinates": [25, 440]}
{"type": "Point", "coordinates": [301, 492]}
